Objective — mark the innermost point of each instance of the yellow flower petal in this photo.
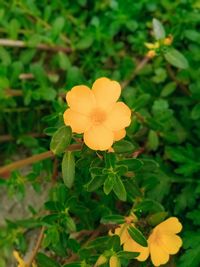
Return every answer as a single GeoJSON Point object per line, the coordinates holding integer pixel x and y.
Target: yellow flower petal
{"type": "Point", "coordinates": [122, 232]}
{"type": "Point", "coordinates": [77, 121]}
{"type": "Point", "coordinates": [114, 261]}
{"type": "Point", "coordinates": [171, 243]}
{"type": "Point", "coordinates": [106, 91]}
{"type": "Point", "coordinates": [19, 259]}
{"type": "Point", "coordinates": [132, 246]}
{"type": "Point", "coordinates": [101, 260]}
{"type": "Point", "coordinates": [158, 255]}
{"type": "Point", "coordinates": [118, 135]}
{"type": "Point", "coordinates": [81, 99]}
{"type": "Point", "coordinates": [171, 225]}
{"type": "Point", "coordinates": [119, 117]}
{"type": "Point", "coordinates": [98, 138]}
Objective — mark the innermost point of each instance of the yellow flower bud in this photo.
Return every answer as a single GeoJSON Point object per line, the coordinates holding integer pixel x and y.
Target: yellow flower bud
{"type": "Point", "coordinates": [101, 260]}
{"type": "Point", "coordinates": [151, 54]}
{"type": "Point", "coordinates": [114, 261]}
{"type": "Point", "coordinates": [168, 40]}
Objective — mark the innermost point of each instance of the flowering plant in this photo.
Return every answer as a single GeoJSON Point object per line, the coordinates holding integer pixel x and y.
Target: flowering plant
{"type": "Point", "coordinates": [99, 133]}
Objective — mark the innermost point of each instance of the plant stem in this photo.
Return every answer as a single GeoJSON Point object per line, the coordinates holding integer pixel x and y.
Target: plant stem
{"type": "Point", "coordinates": [42, 156]}
{"type": "Point", "coordinates": [36, 248]}
{"type": "Point", "coordinates": [138, 68]}
{"type": "Point", "coordinates": [21, 44]}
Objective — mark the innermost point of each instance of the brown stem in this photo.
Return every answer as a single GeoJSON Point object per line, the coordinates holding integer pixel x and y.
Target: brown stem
{"type": "Point", "coordinates": [183, 88]}
{"type": "Point", "coordinates": [36, 248]}
{"type": "Point", "coordinates": [14, 92]}
{"type": "Point", "coordinates": [138, 68]}
{"type": "Point", "coordinates": [21, 44]}
{"type": "Point", "coordinates": [7, 137]}
{"type": "Point", "coordinates": [45, 155]}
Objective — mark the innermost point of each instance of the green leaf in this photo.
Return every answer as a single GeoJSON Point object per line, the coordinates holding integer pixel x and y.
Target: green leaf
{"type": "Point", "coordinates": [75, 264]}
{"type": "Point", "coordinates": [137, 236]}
{"type": "Point", "coordinates": [149, 205]}
{"type": "Point", "coordinates": [168, 89]}
{"type": "Point", "coordinates": [195, 113]}
{"type": "Point", "coordinates": [71, 226]}
{"type": "Point", "coordinates": [85, 43]}
{"type": "Point", "coordinates": [123, 146]}
{"type": "Point", "coordinates": [60, 140]}
{"type": "Point", "coordinates": [194, 216]}
{"type": "Point", "coordinates": [175, 58]}
{"type": "Point", "coordinates": [68, 168]}
{"type": "Point", "coordinates": [157, 218]}
{"type": "Point", "coordinates": [113, 219]}
{"type": "Point", "coordinates": [108, 184]}
{"type": "Point", "coordinates": [132, 164]}
{"type": "Point", "coordinates": [58, 26]}
{"type": "Point", "coordinates": [127, 255]}
{"type": "Point", "coordinates": [119, 188]}
{"type": "Point", "coordinates": [152, 141]}
{"type": "Point", "coordinates": [44, 260]}
{"type": "Point", "coordinates": [141, 101]}
{"type": "Point", "coordinates": [158, 29]}
{"type": "Point", "coordinates": [110, 160]}
{"type": "Point", "coordinates": [95, 183]}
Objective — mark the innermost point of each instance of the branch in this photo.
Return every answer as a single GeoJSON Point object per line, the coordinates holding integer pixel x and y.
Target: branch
{"type": "Point", "coordinates": [42, 156]}
{"type": "Point", "coordinates": [8, 137]}
{"type": "Point", "coordinates": [183, 88]}
{"type": "Point", "coordinates": [37, 246]}
{"type": "Point", "coordinates": [21, 44]}
{"type": "Point", "coordinates": [138, 68]}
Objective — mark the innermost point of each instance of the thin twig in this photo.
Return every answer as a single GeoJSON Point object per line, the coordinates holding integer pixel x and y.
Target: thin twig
{"type": "Point", "coordinates": [183, 88]}
{"type": "Point", "coordinates": [36, 248]}
{"type": "Point", "coordinates": [8, 137]}
{"type": "Point", "coordinates": [21, 44]}
{"type": "Point", "coordinates": [138, 68]}
{"type": "Point", "coordinates": [42, 156]}
{"type": "Point", "coordinates": [95, 233]}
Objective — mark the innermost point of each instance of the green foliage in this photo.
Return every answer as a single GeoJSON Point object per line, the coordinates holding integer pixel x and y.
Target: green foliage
{"type": "Point", "coordinates": [154, 172]}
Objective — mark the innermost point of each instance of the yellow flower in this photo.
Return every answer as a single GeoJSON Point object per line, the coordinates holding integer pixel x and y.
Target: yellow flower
{"type": "Point", "coordinates": [128, 243]}
{"type": "Point", "coordinates": [152, 46]}
{"type": "Point", "coordinates": [151, 54]}
{"type": "Point", "coordinates": [114, 261]}
{"type": "Point", "coordinates": [97, 114]}
{"type": "Point", "coordinates": [19, 259]}
{"type": "Point", "coordinates": [163, 241]}
{"type": "Point", "coordinates": [101, 260]}
{"type": "Point", "coordinates": [168, 40]}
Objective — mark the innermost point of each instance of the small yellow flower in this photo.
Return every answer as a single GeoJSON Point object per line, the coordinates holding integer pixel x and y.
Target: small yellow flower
{"type": "Point", "coordinates": [97, 114]}
{"type": "Point", "coordinates": [19, 259]}
{"type": "Point", "coordinates": [151, 54]}
{"type": "Point", "coordinates": [101, 260]}
{"type": "Point", "coordinates": [152, 46]}
{"type": "Point", "coordinates": [114, 261]}
{"type": "Point", "coordinates": [168, 40]}
{"type": "Point", "coordinates": [128, 243]}
{"type": "Point", "coordinates": [163, 241]}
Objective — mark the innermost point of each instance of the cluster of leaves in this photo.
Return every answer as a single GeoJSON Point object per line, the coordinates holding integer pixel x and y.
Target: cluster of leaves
{"type": "Point", "coordinates": [154, 171]}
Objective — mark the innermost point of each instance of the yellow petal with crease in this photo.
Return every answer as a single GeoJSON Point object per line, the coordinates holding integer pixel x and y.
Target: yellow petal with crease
{"type": "Point", "coordinates": [118, 135]}
{"type": "Point", "coordinates": [81, 99]}
{"type": "Point", "coordinates": [119, 117]}
{"type": "Point", "coordinates": [99, 138]}
{"type": "Point", "coordinates": [77, 121]}
{"type": "Point", "coordinates": [106, 92]}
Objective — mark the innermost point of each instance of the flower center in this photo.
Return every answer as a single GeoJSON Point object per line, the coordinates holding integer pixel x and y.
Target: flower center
{"type": "Point", "coordinates": [98, 116]}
